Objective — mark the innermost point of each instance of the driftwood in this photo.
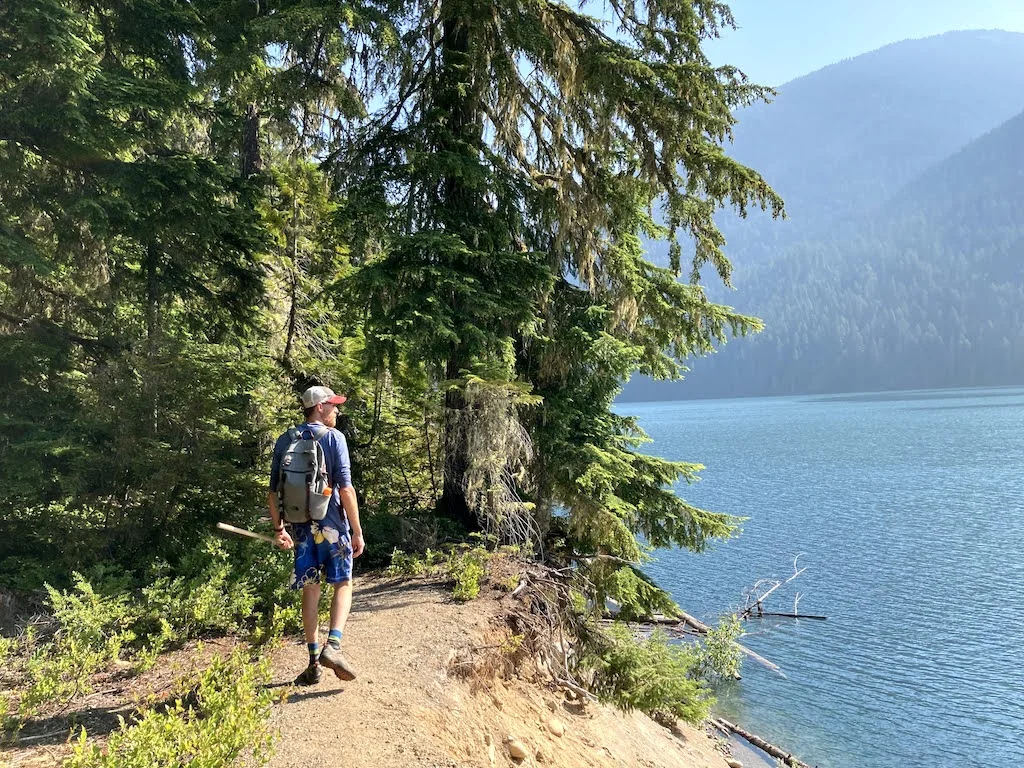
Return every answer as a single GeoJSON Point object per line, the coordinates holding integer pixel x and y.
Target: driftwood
{"type": "Point", "coordinates": [760, 596]}
{"type": "Point", "coordinates": [763, 588]}
{"type": "Point", "coordinates": [776, 752]}
{"type": "Point", "coordinates": [762, 660]}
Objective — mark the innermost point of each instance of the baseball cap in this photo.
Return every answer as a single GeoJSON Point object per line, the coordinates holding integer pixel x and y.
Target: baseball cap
{"type": "Point", "coordinates": [316, 395]}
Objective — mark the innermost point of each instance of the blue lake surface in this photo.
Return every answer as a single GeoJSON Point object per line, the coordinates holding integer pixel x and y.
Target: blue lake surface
{"type": "Point", "coordinates": [908, 509]}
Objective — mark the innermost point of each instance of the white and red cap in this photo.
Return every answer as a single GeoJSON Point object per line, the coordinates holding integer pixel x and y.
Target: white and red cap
{"type": "Point", "coordinates": [316, 395]}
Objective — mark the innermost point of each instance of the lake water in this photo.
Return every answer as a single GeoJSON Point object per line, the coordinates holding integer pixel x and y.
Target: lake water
{"type": "Point", "coordinates": [909, 511]}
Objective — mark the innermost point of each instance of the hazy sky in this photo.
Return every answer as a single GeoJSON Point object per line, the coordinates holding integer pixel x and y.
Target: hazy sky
{"type": "Point", "coordinates": [778, 40]}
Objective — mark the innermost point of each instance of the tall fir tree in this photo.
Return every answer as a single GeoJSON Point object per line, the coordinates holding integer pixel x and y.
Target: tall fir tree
{"type": "Point", "coordinates": [515, 158]}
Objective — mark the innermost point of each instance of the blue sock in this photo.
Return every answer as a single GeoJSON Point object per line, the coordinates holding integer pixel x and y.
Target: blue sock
{"type": "Point", "coordinates": [334, 638]}
{"type": "Point", "coordinates": [314, 652]}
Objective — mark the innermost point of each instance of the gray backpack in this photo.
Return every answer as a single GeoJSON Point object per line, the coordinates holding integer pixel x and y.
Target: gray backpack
{"type": "Point", "coordinates": [302, 484]}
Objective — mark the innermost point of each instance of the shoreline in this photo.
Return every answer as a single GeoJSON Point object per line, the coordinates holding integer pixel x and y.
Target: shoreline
{"type": "Point", "coordinates": [748, 754]}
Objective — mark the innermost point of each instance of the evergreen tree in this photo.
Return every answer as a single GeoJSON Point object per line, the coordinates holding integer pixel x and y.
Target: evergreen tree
{"type": "Point", "coordinates": [129, 276]}
{"type": "Point", "coordinates": [511, 158]}
{"type": "Point", "coordinates": [441, 206]}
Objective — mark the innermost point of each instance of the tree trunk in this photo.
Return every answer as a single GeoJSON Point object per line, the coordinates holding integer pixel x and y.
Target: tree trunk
{"type": "Point", "coordinates": [152, 329]}
{"type": "Point", "coordinates": [778, 753]}
{"type": "Point", "coordinates": [152, 297]}
{"type": "Point", "coordinates": [252, 162]}
{"type": "Point", "coordinates": [459, 132]}
{"type": "Point", "coordinates": [293, 274]}
{"type": "Point", "coordinates": [453, 502]}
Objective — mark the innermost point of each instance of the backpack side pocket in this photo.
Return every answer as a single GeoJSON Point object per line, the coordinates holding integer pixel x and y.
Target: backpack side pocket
{"type": "Point", "coordinates": [320, 491]}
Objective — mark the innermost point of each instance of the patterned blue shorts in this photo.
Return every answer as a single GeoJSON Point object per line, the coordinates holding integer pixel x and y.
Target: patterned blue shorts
{"type": "Point", "coordinates": [322, 553]}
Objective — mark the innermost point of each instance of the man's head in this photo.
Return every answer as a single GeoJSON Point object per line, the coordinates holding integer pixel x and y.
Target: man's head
{"type": "Point", "coordinates": [320, 404]}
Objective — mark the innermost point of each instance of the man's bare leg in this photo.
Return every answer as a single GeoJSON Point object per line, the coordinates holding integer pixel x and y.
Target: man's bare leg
{"type": "Point", "coordinates": [311, 612]}
{"type": "Point", "coordinates": [341, 604]}
{"type": "Point", "coordinates": [311, 628]}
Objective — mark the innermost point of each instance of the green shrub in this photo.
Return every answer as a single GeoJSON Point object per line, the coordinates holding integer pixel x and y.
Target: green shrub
{"type": "Point", "coordinates": [211, 724]}
{"type": "Point", "coordinates": [412, 564]}
{"type": "Point", "coordinates": [91, 619]}
{"type": "Point", "coordinates": [102, 618]}
{"type": "Point", "coordinates": [406, 532]}
{"type": "Point", "coordinates": [467, 567]}
{"type": "Point", "coordinates": [92, 630]}
{"type": "Point", "coordinates": [208, 596]}
{"type": "Point", "coordinates": [9, 723]}
{"type": "Point", "coordinates": [387, 533]}
{"type": "Point", "coordinates": [7, 646]}
{"type": "Point", "coordinates": [652, 675]}
{"type": "Point", "coordinates": [718, 655]}
{"type": "Point", "coordinates": [57, 674]}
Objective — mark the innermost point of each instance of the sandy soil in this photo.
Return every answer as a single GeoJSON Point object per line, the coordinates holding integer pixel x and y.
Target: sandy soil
{"type": "Point", "coordinates": [408, 709]}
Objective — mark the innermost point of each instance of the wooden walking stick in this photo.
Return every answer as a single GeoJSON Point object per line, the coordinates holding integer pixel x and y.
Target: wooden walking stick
{"type": "Point", "coordinates": [244, 532]}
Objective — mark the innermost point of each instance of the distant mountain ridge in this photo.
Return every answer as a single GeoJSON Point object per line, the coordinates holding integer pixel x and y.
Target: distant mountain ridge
{"type": "Point", "coordinates": [920, 285]}
{"type": "Point", "coordinates": [838, 141]}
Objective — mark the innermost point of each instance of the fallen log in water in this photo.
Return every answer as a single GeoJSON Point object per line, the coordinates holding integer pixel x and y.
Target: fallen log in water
{"type": "Point", "coordinates": [762, 660]}
{"type": "Point", "coordinates": [757, 741]}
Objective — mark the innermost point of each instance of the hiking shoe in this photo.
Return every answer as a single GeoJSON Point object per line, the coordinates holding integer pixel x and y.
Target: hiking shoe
{"type": "Point", "coordinates": [332, 659]}
{"type": "Point", "coordinates": [311, 675]}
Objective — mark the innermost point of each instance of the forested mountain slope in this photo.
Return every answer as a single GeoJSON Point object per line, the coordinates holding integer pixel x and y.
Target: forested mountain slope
{"type": "Point", "coordinates": [926, 289]}
{"type": "Point", "coordinates": [840, 140]}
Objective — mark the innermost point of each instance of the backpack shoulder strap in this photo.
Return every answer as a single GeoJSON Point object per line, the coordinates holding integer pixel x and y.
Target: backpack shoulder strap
{"type": "Point", "coordinates": [319, 430]}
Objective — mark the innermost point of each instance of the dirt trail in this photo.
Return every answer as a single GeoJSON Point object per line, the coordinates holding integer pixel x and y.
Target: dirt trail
{"type": "Point", "coordinates": [406, 710]}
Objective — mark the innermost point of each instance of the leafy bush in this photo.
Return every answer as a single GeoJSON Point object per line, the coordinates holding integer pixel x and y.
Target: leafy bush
{"type": "Point", "coordinates": [92, 630]}
{"type": "Point", "coordinates": [387, 532]}
{"type": "Point", "coordinates": [208, 597]}
{"type": "Point", "coordinates": [467, 567]}
{"type": "Point", "coordinates": [410, 531]}
{"type": "Point", "coordinates": [90, 619]}
{"type": "Point", "coordinates": [9, 725]}
{"type": "Point", "coordinates": [105, 619]}
{"type": "Point", "coordinates": [413, 564]}
{"type": "Point", "coordinates": [652, 675]}
{"type": "Point", "coordinates": [718, 655]}
{"type": "Point", "coordinates": [211, 725]}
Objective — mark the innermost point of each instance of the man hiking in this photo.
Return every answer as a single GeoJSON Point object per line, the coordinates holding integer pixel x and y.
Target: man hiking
{"type": "Point", "coordinates": [310, 486]}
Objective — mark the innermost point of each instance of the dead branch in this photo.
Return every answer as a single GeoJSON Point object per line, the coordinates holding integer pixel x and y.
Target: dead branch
{"type": "Point", "coordinates": [578, 690]}
{"type": "Point", "coordinates": [762, 660]}
{"type": "Point", "coordinates": [48, 734]}
{"type": "Point", "coordinates": [760, 596]}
